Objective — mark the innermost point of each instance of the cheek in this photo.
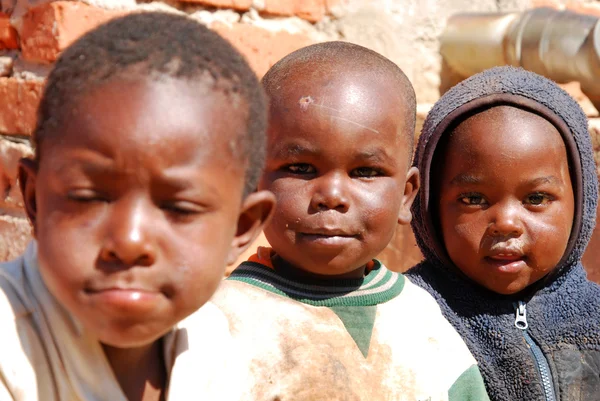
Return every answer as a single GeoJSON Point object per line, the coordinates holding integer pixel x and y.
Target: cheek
{"type": "Point", "coordinates": [378, 205]}
{"type": "Point", "coordinates": [68, 247]}
{"type": "Point", "coordinates": [549, 237]}
{"type": "Point", "coordinates": [196, 260]}
{"type": "Point", "coordinates": [461, 231]}
{"type": "Point", "coordinates": [292, 201]}
{"type": "Point", "coordinates": [377, 209]}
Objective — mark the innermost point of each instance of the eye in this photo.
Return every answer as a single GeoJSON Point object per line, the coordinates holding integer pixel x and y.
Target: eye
{"type": "Point", "coordinates": [183, 208]}
{"type": "Point", "coordinates": [366, 172]}
{"type": "Point", "coordinates": [85, 195]}
{"type": "Point", "coordinates": [300, 168]}
{"type": "Point", "coordinates": [473, 199]}
{"type": "Point", "coordinates": [537, 199]}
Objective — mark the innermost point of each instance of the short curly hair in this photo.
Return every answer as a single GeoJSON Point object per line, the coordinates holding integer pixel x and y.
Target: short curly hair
{"type": "Point", "coordinates": [153, 43]}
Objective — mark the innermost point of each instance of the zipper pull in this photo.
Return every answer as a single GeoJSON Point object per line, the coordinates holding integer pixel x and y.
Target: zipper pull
{"type": "Point", "coordinates": [521, 316]}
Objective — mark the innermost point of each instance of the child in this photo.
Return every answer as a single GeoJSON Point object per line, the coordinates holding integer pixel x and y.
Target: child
{"type": "Point", "coordinates": [149, 141]}
{"type": "Point", "coordinates": [507, 208]}
{"type": "Point", "coordinates": [316, 317]}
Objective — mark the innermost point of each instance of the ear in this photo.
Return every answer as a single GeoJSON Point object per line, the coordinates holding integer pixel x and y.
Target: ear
{"type": "Point", "coordinates": [256, 212]}
{"type": "Point", "coordinates": [28, 169]}
{"type": "Point", "coordinates": [411, 187]}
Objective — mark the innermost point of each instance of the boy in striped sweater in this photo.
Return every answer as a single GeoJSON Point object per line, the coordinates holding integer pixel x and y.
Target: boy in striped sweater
{"type": "Point", "coordinates": [317, 317]}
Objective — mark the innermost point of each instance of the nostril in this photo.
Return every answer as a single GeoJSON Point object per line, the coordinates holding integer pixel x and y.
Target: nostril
{"type": "Point", "coordinates": [144, 260]}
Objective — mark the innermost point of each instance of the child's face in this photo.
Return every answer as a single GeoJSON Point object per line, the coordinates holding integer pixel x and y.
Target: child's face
{"type": "Point", "coordinates": [337, 162]}
{"type": "Point", "coordinates": [506, 200]}
{"type": "Point", "coordinates": [137, 205]}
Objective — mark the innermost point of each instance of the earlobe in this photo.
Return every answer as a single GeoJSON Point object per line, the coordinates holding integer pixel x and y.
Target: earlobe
{"type": "Point", "coordinates": [411, 188]}
{"type": "Point", "coordinates": [27, 175]}
{"type": "Point", "coordinates": [257, 209]}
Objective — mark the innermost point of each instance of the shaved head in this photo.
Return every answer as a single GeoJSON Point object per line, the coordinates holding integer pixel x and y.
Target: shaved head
{"type": "Point", "coordinates": [350, 83]}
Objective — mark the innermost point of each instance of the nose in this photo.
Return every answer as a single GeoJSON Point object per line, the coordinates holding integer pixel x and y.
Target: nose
{"type": "Point", "coordinates": [506, 219]}
{"type": "Point", "coordinates": [331, 193]}
{"type": "Point", "coordinates": [129, 238]}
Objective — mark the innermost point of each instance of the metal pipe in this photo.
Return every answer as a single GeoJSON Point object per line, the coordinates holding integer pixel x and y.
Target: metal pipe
{"type": "Point", "coordinates": [561, 45]}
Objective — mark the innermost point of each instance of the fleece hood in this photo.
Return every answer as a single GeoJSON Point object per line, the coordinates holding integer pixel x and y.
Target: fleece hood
{"type": "Point", "coordinates": [528, 91]}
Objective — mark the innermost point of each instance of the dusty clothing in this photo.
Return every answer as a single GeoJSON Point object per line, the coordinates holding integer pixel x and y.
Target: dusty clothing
{"type": "Point", "coordinates": [557, 356]}
{"type": "Point", "coordinates": [45, 354]}
{"type": "Point", "coordinates": [377, 338]}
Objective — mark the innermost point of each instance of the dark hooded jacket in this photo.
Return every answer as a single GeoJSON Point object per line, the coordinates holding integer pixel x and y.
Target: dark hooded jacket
{"type": "Point", "coordinates": [557, 357]}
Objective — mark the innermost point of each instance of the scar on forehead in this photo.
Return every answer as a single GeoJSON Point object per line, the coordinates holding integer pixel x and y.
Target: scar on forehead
{"type": "Point", "coordinates": [305, 101]}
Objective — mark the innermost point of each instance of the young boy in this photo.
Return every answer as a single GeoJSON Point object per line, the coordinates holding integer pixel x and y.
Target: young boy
{"type": "Point", "coordinates": [507, 208]}
{"type": "Point", "coordinates": [149, 141]}
{"type": "Point", "coordinates": [316, 317]}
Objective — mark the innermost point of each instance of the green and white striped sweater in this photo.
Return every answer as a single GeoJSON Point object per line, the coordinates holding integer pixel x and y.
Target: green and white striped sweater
{"type": "Point", "coordinates": [377, 338]}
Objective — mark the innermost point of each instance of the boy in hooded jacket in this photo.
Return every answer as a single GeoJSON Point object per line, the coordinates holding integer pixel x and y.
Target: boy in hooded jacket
{"type": "Point", "coordinates": [508, 205]}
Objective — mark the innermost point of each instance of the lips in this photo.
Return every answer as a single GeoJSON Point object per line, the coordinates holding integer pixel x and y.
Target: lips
{"type": "Point", "coordinates": [507, 260]}
{"type": "Point", "coordinates": [327, 237]}
{"type": "Point", "coordinates": [325, 232]}
{"type": "Point", "coordinates": [125, 302]}
{"type": "Point", "coordinates": [102, 288]}
{"type": "Point", "coordinates": [123, 298]}
{"type": "Point", "coordinates": [507, 256]}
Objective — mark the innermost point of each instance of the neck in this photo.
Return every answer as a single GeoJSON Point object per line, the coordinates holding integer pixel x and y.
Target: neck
{"type": "Point", "coordinates": [141, 371]}
{"type": "Point", "coordinates": [287, 269]}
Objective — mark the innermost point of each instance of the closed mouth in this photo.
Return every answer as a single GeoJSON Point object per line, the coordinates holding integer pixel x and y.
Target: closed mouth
{"type": "Point", "coordinates": [124, 288]}
{"type": "Point", "coordinates": [327, 233]}
{"type": "Point", "coordinates": [507, 261]}
{"type": "Point", "coordinates": [506, 256]}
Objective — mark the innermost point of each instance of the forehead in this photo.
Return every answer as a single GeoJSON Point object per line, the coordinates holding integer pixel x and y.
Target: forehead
{"type": "Point", "coordinates": [331, 106]}
{"type": "Point", "coordinates": [352, 90]}
{"type": "Point", "coordinates": [168, 117]}
{"type": "Point", "coordinates": [506, 131]}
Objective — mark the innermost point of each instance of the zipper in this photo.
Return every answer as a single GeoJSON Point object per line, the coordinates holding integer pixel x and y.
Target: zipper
{"type": "Point", "coordinates": [538, 356]}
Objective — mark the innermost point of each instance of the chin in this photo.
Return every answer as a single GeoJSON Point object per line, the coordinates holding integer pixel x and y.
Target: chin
{"type": "Point", "coordinates": [132, 337]}
{"type": "Point", "coordinates": [509, 289]}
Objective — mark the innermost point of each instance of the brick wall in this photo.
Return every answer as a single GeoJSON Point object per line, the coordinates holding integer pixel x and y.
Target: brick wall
{"type": "Point", "coordinates": [34, 32]}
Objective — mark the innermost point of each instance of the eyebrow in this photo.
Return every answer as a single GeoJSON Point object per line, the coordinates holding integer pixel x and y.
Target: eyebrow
{"type": "Point", "coordinates": [93, 165]}
{"type": "Point", "coordinates": [473, 180]}
{"type": "Point", "coordinates": [548, 179]}
{"type": "Point", "coordinates": [291, 150]}
{"type": "Point", "coordinates": [465, 179]}
{"type": "Point", "coordinates": [376, 155]}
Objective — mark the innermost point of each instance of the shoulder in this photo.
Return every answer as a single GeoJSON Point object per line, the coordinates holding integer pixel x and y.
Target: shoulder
{"type": "Point", "coordinates": [415, 318]}
{"type": "Point", "coordinates": [241, 301]}
{"type": "Point", "coordinates": [13, 294]}
{"type": "Point", "coordinates": [19, 340]}
{"type": "Point", "coordinates": [414, 300]}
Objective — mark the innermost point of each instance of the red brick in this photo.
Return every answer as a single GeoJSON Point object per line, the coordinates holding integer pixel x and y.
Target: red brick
{"type": "Point", "coordinates": [15, 233]}
{"type": "Point", "coordinates": [261, 48]}
{"type": "Point", "coordinates": [402, 252]}
{"type": "Point", "coordinates": [585, 8]}
{"type": "Point", "coordinates": [10, 153]}
{"type": "Point", "coordinates": [591, 259]}
{"type": "Point", "coordinates": [9, 39]}
{"type": "Point", "coordinates": [574, 89]}
{"type": "Point", "coordinates": [312, 10]}
{"type": "Point", "coordinates": [261, 240]}
{"type": "Point", "coordinates": [49, 28]}
{"type": "Point", "coordinates": [235, 4]}
{"type": "Point", "coordinates": [18, 108]}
